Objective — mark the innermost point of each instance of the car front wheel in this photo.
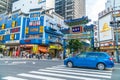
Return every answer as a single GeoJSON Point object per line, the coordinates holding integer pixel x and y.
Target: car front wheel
{"type": "Point", "coordinates": [70, 64]}
{"type": "Point", "coordinates": [100, 66]}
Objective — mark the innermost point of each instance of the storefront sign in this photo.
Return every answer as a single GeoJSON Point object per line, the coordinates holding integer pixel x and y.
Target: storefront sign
{"type": "Point", "coordinates": [107, 47]}
{"type": "Point", "coordinates": [34, 23]}
{"type": "Point", "coordinates": [7, 31]}
{"type": "Point", "coordinates": [3, 26]}
{"type": "Point", "coordinates": [12, 36]}
{"type": "Point", "coordinates": [26, 30]}
{"type": "Point", "coordinates": [13, 24]}
{"type": "Point", "coordinates": [27, 40]}
{"type": "Point", "coordinates": [35, 19]}
{"type": "Point", "coordinates": [1, 37]}
{"type": "Point", "coordinates": [77, 29]}
{"type": "Point", "coordinates": [41, 29]}
{"type": "Point", "coordinates": [15, 41]}
{"type": "Point", "coordinates": [15, 30]}
{"type": "Point", "coordinates": [34, 30]}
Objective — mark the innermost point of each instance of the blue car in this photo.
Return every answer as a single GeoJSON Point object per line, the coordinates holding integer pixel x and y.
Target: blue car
{"type": "Point", "coordinates": [99, 60]}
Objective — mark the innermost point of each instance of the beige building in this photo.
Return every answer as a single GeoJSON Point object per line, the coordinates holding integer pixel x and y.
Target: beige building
{"type": "Point", "coordinates": [70, 9]}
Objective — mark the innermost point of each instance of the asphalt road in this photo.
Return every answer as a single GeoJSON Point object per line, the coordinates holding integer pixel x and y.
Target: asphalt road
{"type": "Point", "coordinates": [51, 70]}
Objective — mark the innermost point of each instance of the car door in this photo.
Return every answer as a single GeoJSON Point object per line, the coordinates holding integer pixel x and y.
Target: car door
{"type": "Point", "coordinates": [91, 59]}
{"type": "Point", "coordinates": [80, 59]}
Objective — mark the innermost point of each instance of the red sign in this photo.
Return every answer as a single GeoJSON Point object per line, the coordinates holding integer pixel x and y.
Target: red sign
{"type": "Point", "coordinates": [15, 30]}
{"type": "Point", "coordinates": [27, 40]}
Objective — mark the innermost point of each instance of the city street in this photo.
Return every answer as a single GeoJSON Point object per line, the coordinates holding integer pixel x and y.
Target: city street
{"type": "Point", "coordinates": [33, 69]}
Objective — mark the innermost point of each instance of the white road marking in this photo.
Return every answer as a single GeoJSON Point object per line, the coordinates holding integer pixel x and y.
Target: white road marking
{"type": "Point", "coordinates": [13, 78]}
{"type": "Point", "coordinates": [19, 62]}
{"type": "Point", "coordinates": [62, 75]}
{"type": "Point", "coordinates": [61, 72]}
{"type": "Point", "coordinates": [39, 77]}
{"type": "Point", "coordinates": [33, 62]}
{"type": "Point", "coordinates": [80, 71]}
{"type": "Point", "coordinates": [79, 74]}
{"type": "Point", "coordinates": [105, 71]}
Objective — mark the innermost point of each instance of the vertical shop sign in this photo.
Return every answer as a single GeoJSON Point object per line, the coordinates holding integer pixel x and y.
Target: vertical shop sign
{"type": "Point", "coordinates": [41, 29]}
{"type": "Point", "coordinates": [3, 26]}
{"type": "Point", "coordinates": [13, 24]}
{"type": "Point", "coordinates": [26, 30]}
{"type": "Point", "coordinates": [12, 36]}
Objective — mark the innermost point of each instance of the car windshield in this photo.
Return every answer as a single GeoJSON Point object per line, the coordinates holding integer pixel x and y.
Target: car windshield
{"type": "Point", "coordinates": [81, 55]}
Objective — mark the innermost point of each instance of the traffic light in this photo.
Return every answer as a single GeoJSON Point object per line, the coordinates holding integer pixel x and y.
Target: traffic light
{"type": "Point", "coordinates": [111, 22]}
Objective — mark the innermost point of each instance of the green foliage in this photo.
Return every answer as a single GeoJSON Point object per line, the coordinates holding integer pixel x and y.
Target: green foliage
{"type": "Point", "coordinates": [74, 45]}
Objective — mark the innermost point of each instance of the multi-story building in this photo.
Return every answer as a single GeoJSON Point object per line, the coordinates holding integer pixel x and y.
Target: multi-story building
{"type": "Point", "coordinates": [70, 9]}
{"type": "Point", "coordinates": [35, 32]}
{"type": "Point", "coordinates": [26, 5]}
{"type": "Point", "coordinates": [107, 32]}
{"type": "Point", "coordinates": [6, 6]}
{"type": "Point", "coordinates": [3, 5]}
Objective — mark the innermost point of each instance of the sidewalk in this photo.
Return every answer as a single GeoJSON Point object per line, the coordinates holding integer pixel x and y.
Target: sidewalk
{"type": "Point", "coordinates": [116, 72]}
{"type": "Point", "coordinates": [18, 58]}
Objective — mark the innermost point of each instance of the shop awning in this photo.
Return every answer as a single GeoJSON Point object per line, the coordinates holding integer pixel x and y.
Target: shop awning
{"type": "Point", "coordinates": [43, 49]}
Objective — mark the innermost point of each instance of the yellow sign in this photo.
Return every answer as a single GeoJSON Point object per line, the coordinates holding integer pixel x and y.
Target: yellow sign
{"type": "Point", "coordinates": [12, 36]}
{"type": "Point", "coordinates": [13, 24]}
{"type": "Point", "coordinates": [105, 28]}
{"type": "Point", "coordinates": [1, 37]}
{"type": "Point", "coordinates": [116, 15]}
{"type": "Point", "coordinates": [35, 48]}
{"type": "Point", "coordinates": [41, 29]}
{"type": "Point", "coordinates": [3, 26]}
{"type": "Point", "coordinates": [55, 47]}
{"type": "Point", "coordinates": [26, 30]}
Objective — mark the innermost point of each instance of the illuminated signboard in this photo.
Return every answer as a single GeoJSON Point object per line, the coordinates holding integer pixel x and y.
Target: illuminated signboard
{"type": "Point", "coordinates": [15, 30]}
{"type": "Point", "coordinates": [77, 29]}
{"type": "Point", "coordinates": [34, 23]}
{"type": "Point", "coordinates": [105, 28]}
{"type": "Point", "coordinates": [34, 30]}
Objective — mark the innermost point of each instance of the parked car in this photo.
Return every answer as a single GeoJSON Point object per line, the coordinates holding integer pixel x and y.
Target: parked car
{"type": "Point", "coordinates": [1, 55]}
{"type": "Point", "coordinates": [99, 60]}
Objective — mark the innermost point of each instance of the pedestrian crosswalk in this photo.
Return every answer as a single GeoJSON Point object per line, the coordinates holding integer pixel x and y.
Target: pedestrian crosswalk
{"type": "Point", "coordinates": [62, 72]}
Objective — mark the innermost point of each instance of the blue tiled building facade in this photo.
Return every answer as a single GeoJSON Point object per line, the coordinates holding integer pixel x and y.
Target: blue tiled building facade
{"type": "Point", "coordinates": [35, 32]}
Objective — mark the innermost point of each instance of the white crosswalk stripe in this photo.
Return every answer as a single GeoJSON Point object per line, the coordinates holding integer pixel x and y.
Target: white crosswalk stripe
{"type": "Point", "coordinates": [61, 72]}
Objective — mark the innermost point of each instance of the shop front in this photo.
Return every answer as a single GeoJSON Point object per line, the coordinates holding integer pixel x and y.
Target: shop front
{"type": "Point", "coordinates": [12, 48]}
{"type": "Point", "coordinates": [55, 50]}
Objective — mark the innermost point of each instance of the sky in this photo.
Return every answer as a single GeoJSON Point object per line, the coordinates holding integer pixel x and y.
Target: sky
{"type": "Point", "coordinates": [93, 7]}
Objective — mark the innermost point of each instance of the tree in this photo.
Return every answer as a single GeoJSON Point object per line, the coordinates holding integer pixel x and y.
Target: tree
{"type": "Point", "coordinates": [74, 45]}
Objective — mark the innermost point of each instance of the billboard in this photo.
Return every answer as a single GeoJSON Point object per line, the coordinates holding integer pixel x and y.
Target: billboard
{"type": "Point", "coordinates": [105, 30]}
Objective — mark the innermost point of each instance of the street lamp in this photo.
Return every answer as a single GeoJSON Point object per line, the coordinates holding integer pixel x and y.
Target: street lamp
{"type": "Point", "coordinates": [115, 24]}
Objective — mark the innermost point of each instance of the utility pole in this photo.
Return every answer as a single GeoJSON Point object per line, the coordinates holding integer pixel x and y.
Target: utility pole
{"type": "Point", "coordinates": [115, 24]}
